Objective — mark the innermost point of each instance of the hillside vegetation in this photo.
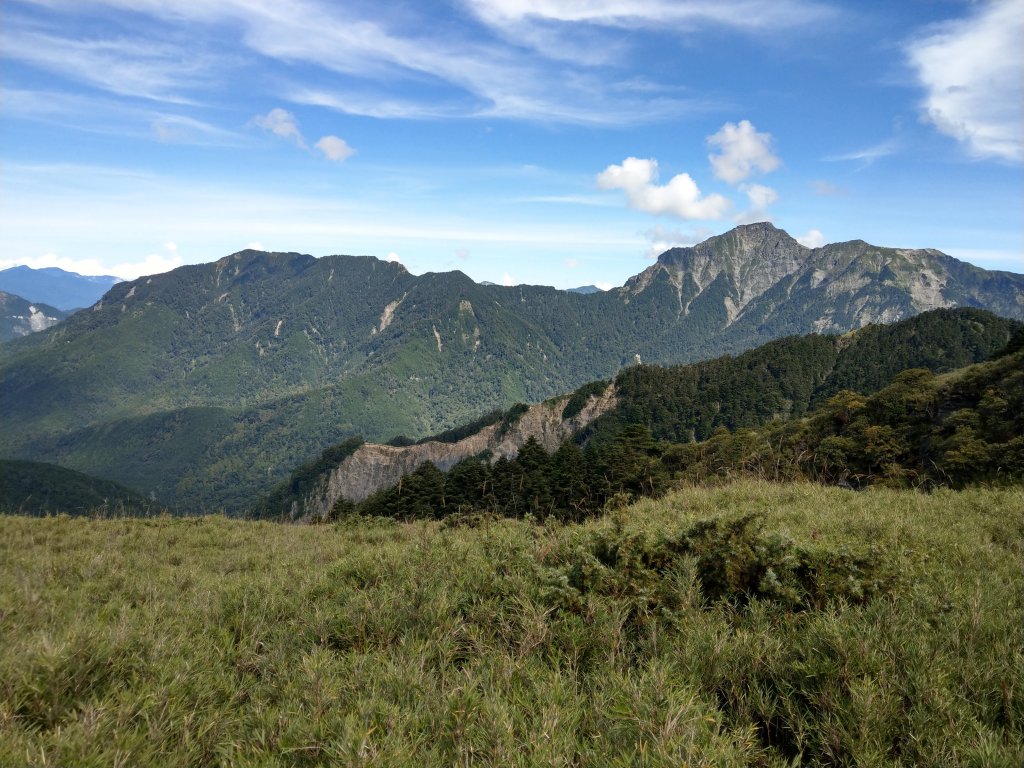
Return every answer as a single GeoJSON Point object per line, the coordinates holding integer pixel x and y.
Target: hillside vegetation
{"type": "Point", "coordinates": [206, 385]}
{"type": "Point", "coordinates": [783, 411]}
{"type": "Point", "coordinates": [34, 488]}
{"type": "Point", "coordinates": [752, 624]}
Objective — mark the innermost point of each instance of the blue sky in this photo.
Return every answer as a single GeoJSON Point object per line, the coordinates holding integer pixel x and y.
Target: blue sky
{"type": "Point", "coordinates": [564, 142]}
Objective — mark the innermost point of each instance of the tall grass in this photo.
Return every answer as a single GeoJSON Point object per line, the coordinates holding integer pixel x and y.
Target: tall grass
{"type": "Point", "coordinates": [744, 625]}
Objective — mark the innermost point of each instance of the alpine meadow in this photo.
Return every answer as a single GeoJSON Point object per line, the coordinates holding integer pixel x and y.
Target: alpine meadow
{"type": "Point", "coordinates": [505, 383]}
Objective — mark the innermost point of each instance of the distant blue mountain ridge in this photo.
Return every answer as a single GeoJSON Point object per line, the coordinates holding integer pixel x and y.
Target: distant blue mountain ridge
{"type": "Point", "coordinates": [56, 287]}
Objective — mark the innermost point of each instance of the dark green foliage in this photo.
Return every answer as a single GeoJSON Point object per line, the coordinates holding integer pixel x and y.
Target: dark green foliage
{"type": "Point", "coordinates": [1016, 343]}
{"type": "Point", "coordinates": [570, 484]}
{"type": "Point", "coordinates": [35, 488]}
{"type": "Point", "coordinates": [305, 478]}
{"type": "Point", "coordinates": [921, 430]}
{"type": "Point", "coordinates": [456, 434]}
{"type": "Point", "coordinates": [511, 417]}
{"type": "Point", "coordinates": [579, 398]}
{"type": "Point", "coordinates": [734, 560]}
{"type": "Point", "coordinates": [471, 428]}
{"type": "Point", "coordinates": [786, 378]}
{"type": "Point", "coordinates": [297, 354]}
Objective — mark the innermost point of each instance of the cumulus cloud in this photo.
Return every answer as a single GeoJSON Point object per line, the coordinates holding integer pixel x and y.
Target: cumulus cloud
{"type": "Point", "coordinates": [393, 257]}
{"type": "Point", "coordinates": [973, 73]}
{"type": "Point", "coordinates": [760, 198]}
{"type": "Point", "coordinates": [151, 264]}
{"type": "Point", "coordinates": [604, 285]}
{"type": "Point", "coordinates": [256, 245]}
{"type": "Point", "coordinates": [335, 149]}
{"type": "Point", "coordinates": [742, 151]}
{"type": "Point", "coordinates": [680, 197]}
{"type": "Point", "coordinates": [281, 122]}
{"type": "Point", "coordinates": [507, 280]}
{"type": "Point", "coordinates": [812, 239]}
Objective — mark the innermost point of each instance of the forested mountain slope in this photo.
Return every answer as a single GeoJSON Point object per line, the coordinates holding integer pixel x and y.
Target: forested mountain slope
{"type": "Point", "coordinates": [922, 430]}
{"type": "Point", "coordinates": [207, 384]}
{"type": "Point", "coordinates": [652, 405]}
{"type": "Point", "coordinates": [34, 488]}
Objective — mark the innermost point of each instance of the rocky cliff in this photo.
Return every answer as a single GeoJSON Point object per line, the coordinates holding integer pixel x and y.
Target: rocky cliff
{"type": "Point", "coordinates": [375, 467]}
{"type": "Point", "coordinates": [757, 273]}
{"type": "Point", "coordinates": [19, 317]}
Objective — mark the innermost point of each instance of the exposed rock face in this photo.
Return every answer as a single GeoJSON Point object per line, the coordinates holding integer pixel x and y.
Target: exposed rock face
{"type": "Point", "coordinates": [19, 317]}
{"type": "Point", "coordinates": [749, 260]}
{"type": "Point", "coordinates": [374, 467]}
{"type": "Point", "coordinates": [758, 274]}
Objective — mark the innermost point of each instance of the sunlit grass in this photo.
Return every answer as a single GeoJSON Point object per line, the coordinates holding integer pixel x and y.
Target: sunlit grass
{"type": "Point", "coordinates": [214, 641]}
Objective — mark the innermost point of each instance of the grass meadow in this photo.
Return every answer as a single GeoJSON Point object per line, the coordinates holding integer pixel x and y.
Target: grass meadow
{"type": "Point", "coordinates": [752, 624]}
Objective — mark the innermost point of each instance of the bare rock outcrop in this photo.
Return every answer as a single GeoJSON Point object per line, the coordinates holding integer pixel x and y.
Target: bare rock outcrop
{"type": "Point", "coordinates": [374, 467]}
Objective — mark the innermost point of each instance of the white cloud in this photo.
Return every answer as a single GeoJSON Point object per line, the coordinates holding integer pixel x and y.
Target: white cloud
{"type": "Point", "coordinates": [151, 264]}
{"type": "Point", "coordinates": [505, 70]}
{"type": "Point", "coordinates": [335, 149]}
{"type": "Point", "coordinates": [147, 69]}
{"type": "Point", "coordinates": [812, 239]}
{"type": "Point", "coordinates": [742, 152]}
{"type": "Point", "coordinates": [507, 280]}
{"type": "Point", "coordinates": [179, 129]}
{"type": "Point", "coordinates": [256, 245]}
{"type": "Point", "coordinates": [281, 122]}
{"type": "Point", "coordinates": [973, 72]}
{"type": "Point", "coordinates": [393, 257]}
{"type": "Point", "coordinates": [760, 198]}
{"type": "Point", "coordinates": [680, 197]}
{"type": "Point", "coordinates": [868, 155]}
{"type": "Point", "coordinates": [743, 14]}
{"type": "Point", "coordinates": [604, 285]}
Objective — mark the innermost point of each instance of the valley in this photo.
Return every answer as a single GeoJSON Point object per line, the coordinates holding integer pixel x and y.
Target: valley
{"type": "Point", "coordinates": [204, 387]}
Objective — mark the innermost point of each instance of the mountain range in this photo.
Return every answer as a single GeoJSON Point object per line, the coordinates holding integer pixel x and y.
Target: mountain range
{"type": "Point", "coordinates": [208, 384]}
{"type": "Point", "coordinates": [54, 286]}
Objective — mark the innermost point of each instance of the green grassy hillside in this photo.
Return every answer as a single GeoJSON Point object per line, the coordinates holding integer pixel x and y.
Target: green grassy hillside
{"type": "Point", "coordinates": [754, 625]}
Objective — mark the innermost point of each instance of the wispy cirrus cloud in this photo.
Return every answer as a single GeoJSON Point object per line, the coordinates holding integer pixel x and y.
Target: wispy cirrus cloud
{"type": "Point", "coordinates": [868, 155]}
{"type": "Point", "coordinates": [145, 69]}
{"type": "Point", "coordinates": [972, 70]}
{"type": "Point", "coordinates": [106, 115]}
{"type": "Point", "coordinates": [484, 63]}
{"type": "Point", "coordinates": [742, 14]}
